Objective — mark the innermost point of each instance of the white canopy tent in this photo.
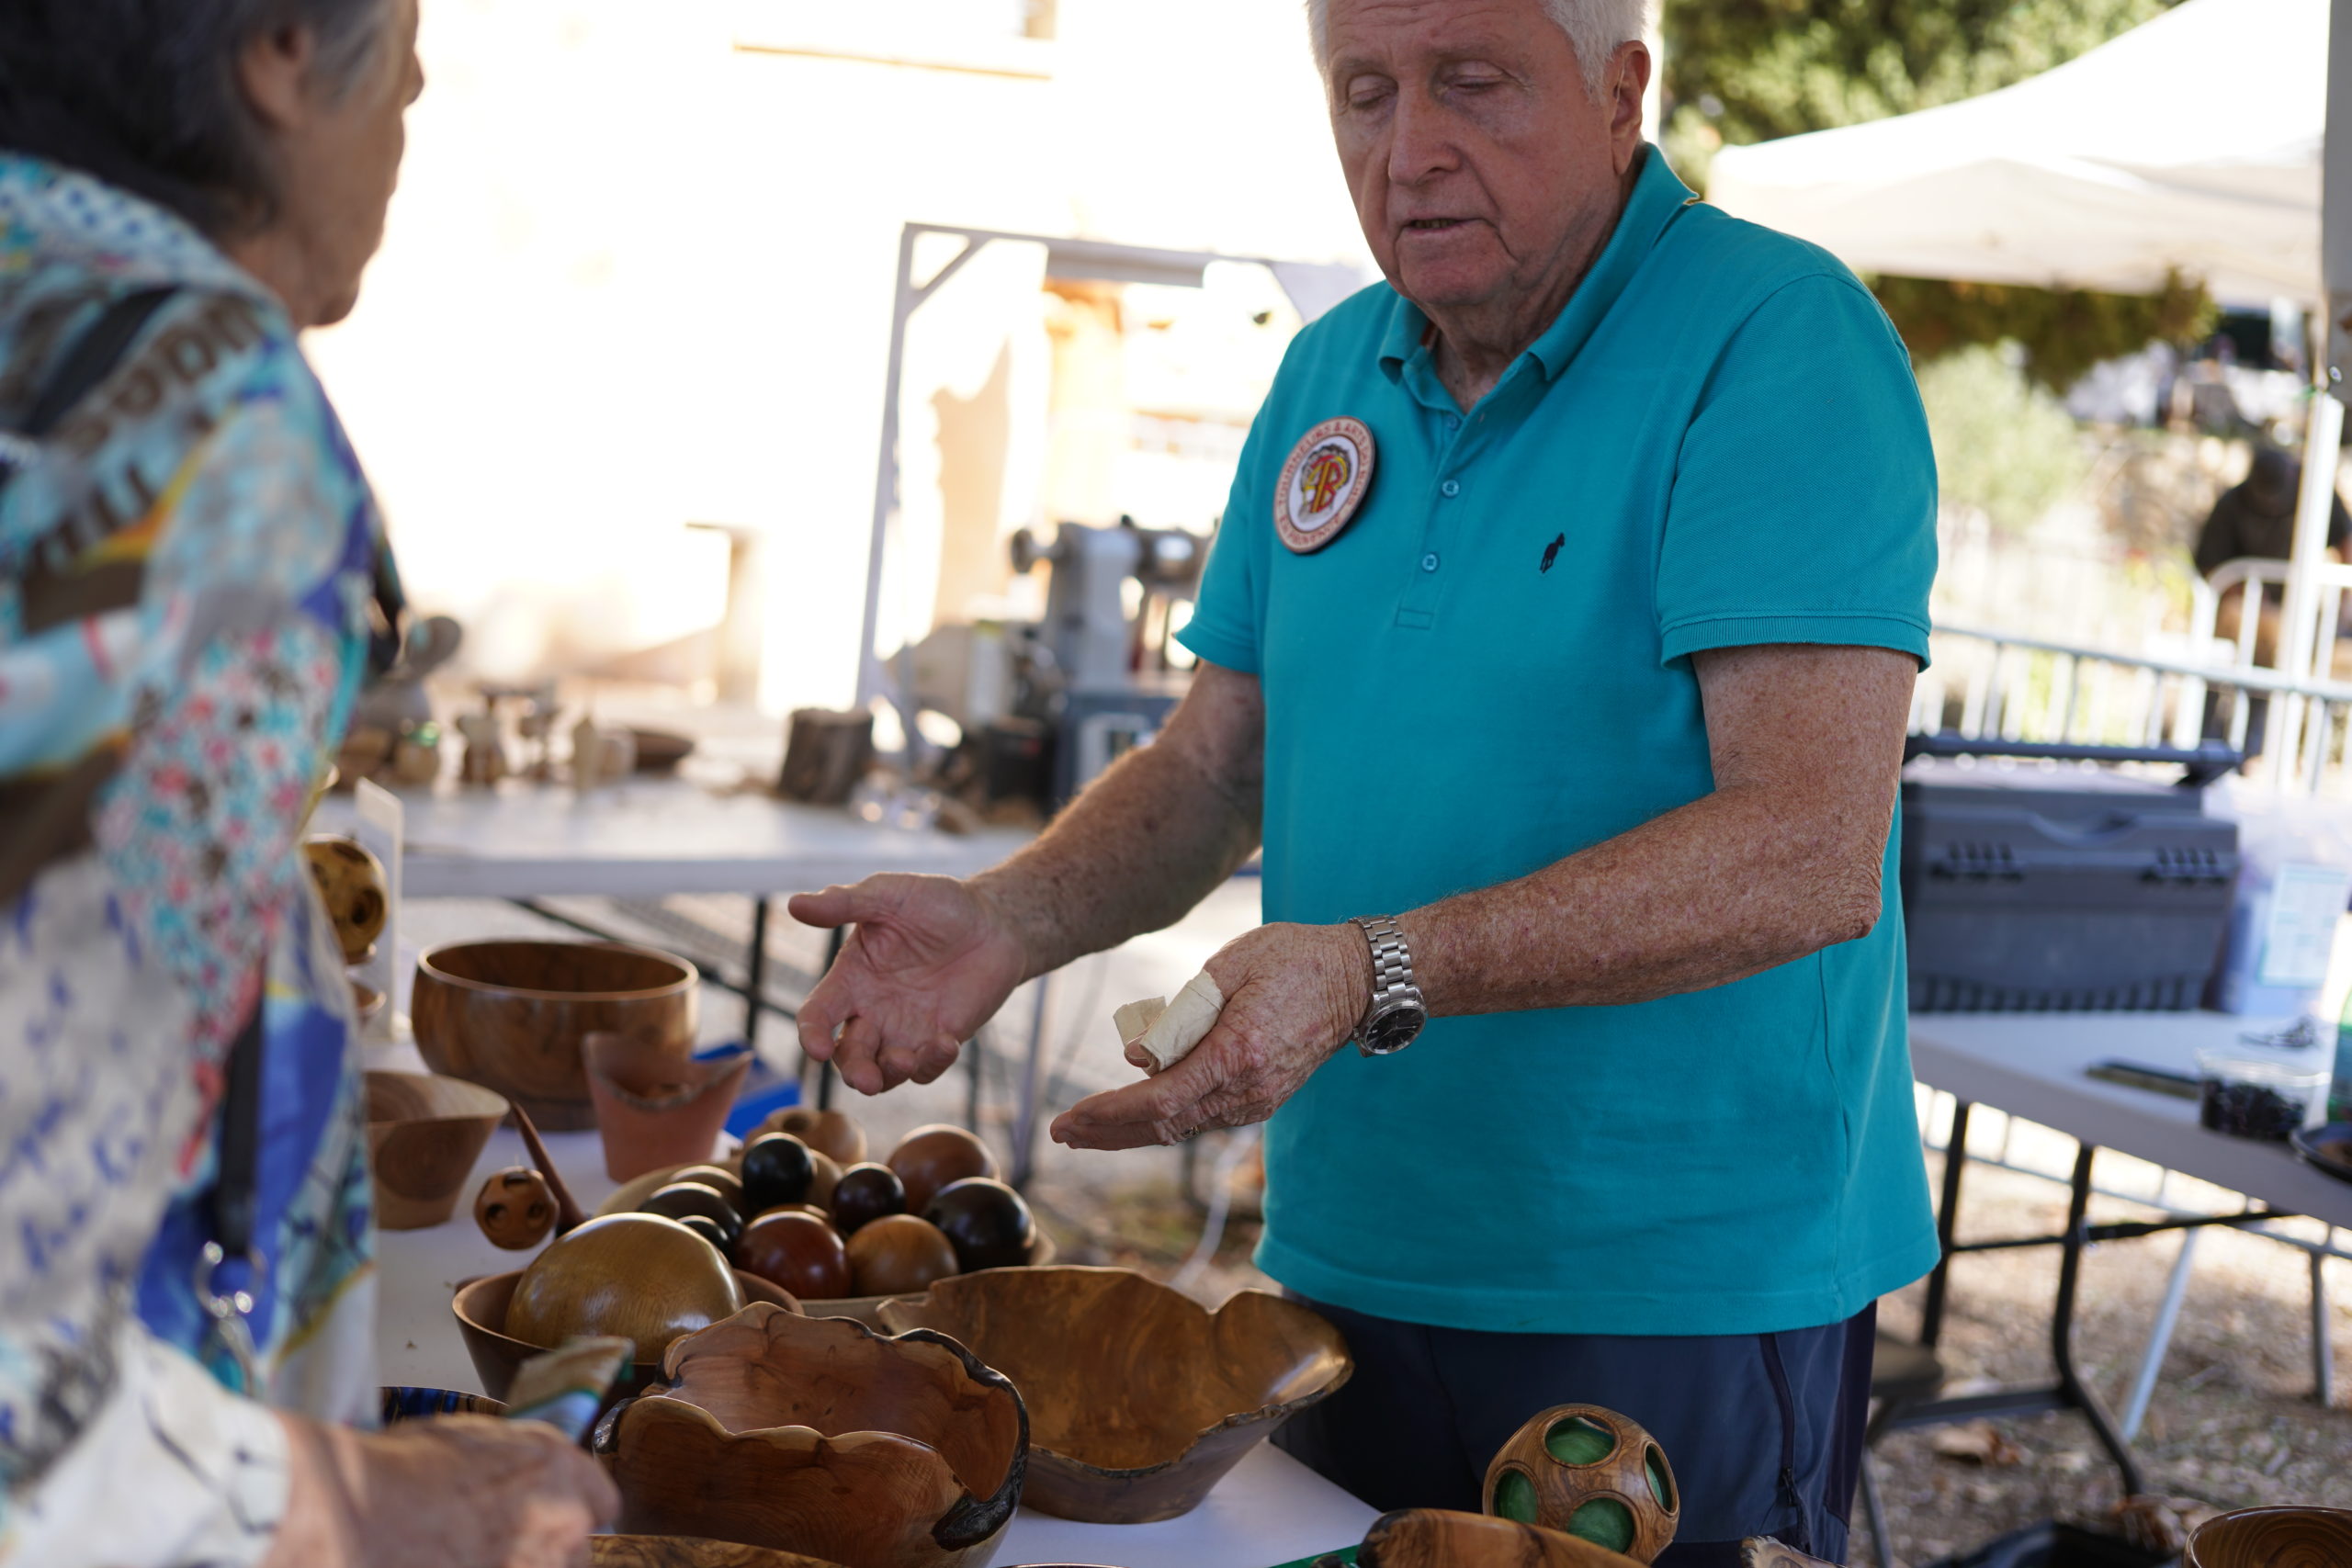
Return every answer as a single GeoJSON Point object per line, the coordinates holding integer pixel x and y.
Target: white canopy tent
{"type": "Point", "coordinates": [2192, 143]}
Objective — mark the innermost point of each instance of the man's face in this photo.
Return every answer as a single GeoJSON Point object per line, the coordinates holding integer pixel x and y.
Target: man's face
{"type": "Point", "coordinates": [1477, 158]}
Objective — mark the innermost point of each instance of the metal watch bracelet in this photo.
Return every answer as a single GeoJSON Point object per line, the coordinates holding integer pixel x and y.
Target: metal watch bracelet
{"type": "Point", "coordinates": [1392, 971]}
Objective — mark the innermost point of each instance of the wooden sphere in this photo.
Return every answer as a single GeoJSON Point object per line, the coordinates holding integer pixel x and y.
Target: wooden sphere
{"type": "Point", "coordinates": [352, 885]}
{"type": "Point", "coordinates": [898, 1253]}
{"type": "Point", "coordinates": [867, 1193]}
{"type": "Point", "coordinates": [516, 1208]}
{"type": "Point", "coordinates": [719, 1180]}
{"type": "Point", "coordinates": [676, 1199]}
{"type": "Point", "coordinates": [1590, 1473]}
{"type": "Point", "coordinates": [710, 1231]}
{"type": "Point", "coordinates": [834, 1134]}
{"type": "Point", "coordinates": [987, 1222]}
{"type": "Point", "coordinates": [929, 1158]}
{"type": "Point", "coordinates": [821, 1185]}
{"type": "Point", "coordinates": [640, 1276]}
{"type": "Point", "coordinates": [778, 1169]}
{"type": "Point", "coordinates": [823, 1216]}
{"type": "Point", "coordinates": [797, 1250]}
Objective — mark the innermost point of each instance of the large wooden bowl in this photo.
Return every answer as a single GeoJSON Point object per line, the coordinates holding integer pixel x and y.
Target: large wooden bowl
{"type": "Point", "coordinates": [424, 1132]}
{"type": "Point", "coordinates": [511, 1015]}
{"type": "Point", "coordinates": [819, 1436]}
{"type": "Point", "coordinates": [1140, 1399]}
{"type": "Point", "coordinates": [479, 1307]}
{"type": "Point", "coordinates": [2273, 1538]}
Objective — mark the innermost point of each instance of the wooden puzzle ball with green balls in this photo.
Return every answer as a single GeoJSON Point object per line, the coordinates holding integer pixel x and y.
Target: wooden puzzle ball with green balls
{"type": "Point", "coordinates": [1589, 1473]}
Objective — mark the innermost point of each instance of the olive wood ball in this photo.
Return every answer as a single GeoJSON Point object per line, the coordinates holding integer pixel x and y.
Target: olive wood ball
{"type": "Point", "coordinates": [515, 1209]}
{"type": "Point", "coordinates": [929, 1158]}
{"type": "Point", "coordinates": [898, 1255]}
{"type": "Point", "coordinates": [867, 1193]}
{"type": "Point", "coordinates": [834, 1134]}
{"type": "Point", "coordinates": [352, 885]}
{"type": "Point", "coordinates": [640, 1276]}
{"type": "Point", "coordinates": [797, 1250]}
{"type": "Point", "coordinates": [1589, 1473]}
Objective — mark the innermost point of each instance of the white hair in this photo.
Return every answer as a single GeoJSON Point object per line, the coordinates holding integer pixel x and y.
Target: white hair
{"type": "Point", "coordinates": [1594, 26]}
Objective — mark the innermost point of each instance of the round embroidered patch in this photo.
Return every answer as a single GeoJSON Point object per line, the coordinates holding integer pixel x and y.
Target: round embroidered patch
{"type": "Point", "coordinates": [1323, 483]}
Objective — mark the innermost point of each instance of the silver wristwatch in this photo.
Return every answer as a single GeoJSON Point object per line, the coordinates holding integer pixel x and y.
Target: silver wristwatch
{"type": "Point", "coordinates": [1397, 1012]}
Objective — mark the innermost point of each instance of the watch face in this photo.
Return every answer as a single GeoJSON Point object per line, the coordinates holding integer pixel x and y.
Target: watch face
{"type": "Point", "coordinates": [1394, 1030]}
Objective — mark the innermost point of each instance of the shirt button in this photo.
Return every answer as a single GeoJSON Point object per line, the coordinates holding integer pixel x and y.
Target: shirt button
{"type": "Point", "coordinates": [1449, 490]}
{"type": "Point", "coordinates": [1429, 562]}
{"type": "Point", "coordinates": [1454, 422]}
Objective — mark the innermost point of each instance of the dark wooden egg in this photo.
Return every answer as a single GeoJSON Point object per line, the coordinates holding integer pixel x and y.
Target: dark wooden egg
{"type": "Point", "coordinates": [708, 1228]}
{"type": "Point", "coordinates": [679, 1199]}
{"type": "Point", "coordinates": [719, 1180]}
{"type": "Point", "coordinates": [986, 1222]}
{"type": "Point", "coordinates": [929, 1158]}
{"type": "Point", "coordinates": [828, 1176]}
{"type": "Point", "coordinates": [516, 1208]}
{"type": "Point", "coordinates": [897, 1254]}
{"type": "Point", "coordinates": [867, 1193]}
{"type": "Point", "coordinates": [778, 1169]}
{"type": "Point", "coordinates": [797, 1250]}
{"type": "Point", "coordinates": [640, 1276]}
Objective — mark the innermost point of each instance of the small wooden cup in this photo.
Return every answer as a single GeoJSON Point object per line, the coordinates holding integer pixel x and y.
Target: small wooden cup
{"type": "Point", "coordinates": [1140, 1399]}
{"type": "Point", "coordinates": [817, 1436]}
{"type": "Point", "coordinates": [1588, 1472]}
{"type": "Point", "coordinates": [424, 1132]}
{"type": "Point", "coordinates": [656, 1105]}
{"type": "Point", "coordinates": [2273, 1538]}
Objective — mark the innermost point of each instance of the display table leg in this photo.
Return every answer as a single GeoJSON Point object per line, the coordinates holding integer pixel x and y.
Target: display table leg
{"type": "Point", "coordinates": [1932, 1316]}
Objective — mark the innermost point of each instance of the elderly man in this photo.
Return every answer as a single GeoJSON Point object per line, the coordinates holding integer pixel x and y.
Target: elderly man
{"type": "Point", "coordinates": [1557, 651]}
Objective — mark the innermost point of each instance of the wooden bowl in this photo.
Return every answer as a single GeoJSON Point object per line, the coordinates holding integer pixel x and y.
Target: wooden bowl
{"type": "Point", "coordinates": [688, 1552]}
{"type": "Point", "coordinates": [1140, 1399]}
{"type": "Point", "coordinates": [480, 1306]}
{"type": "Point", "coordinates": [424, 1132]}
{"type": "Point", "coordinates": [510, 1015]}
{"type": "Point", "coordinates": [2273, 1538]}
{"type": "Point", "coordinates": [1438, 1537]}
{"type": "Point", "coordinates": [819, 1436]}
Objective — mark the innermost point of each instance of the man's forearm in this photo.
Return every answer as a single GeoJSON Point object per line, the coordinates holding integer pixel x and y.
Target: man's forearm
{"type": "Point", "coordinates": [1715, 891]}
{"type": "Point", "coordinates": [1148, 840]}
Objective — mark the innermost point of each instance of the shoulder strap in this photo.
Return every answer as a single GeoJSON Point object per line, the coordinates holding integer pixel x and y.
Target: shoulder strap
{"type": "Point", "coordinates": [92, 356]}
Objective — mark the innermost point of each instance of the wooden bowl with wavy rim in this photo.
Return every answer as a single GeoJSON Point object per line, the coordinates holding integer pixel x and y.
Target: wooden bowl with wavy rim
{"type": "Point", "coordinates": [819, 1435]}
{"type": "Point", "coordinates": [424, 1132]}
{"type": "Point", "coordinates": [2273, 1538]}
{"type": "Point", "coordinates": [511, 1014]}
{"type": "Point", "coordinates": [480, 1306]}
{"type": "Point", "coordinates": [1140, 1399]}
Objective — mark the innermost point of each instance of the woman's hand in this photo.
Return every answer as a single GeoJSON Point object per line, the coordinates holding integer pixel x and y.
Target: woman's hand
{"type": "Point", "coordinates": [928, 961]}
{"type": "Point", "coordinates": [459, 1492]}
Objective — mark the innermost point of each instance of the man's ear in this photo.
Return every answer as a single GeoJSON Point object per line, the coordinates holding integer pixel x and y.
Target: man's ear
{"type": "Point", "coordinates": [274, 71]}
{"type": "Point", "coordinates": [1629, 78]}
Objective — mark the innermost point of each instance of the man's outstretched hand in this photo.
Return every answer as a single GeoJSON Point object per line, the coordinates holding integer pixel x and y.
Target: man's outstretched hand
{"type": "Point", "coordinates": [927, 961]}
{"type": "Point", "coordinates": [1294, 994]}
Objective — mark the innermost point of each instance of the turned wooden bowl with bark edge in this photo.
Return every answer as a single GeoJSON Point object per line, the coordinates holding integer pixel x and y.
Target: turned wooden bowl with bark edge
{"type": "Point", "coordinates": [1140, 1399]}
{"type": "Point", "coordinates": [2273, 1538]}
{"type": "Point", "coordinates": [480, 1306]}
{"type": "Point", "coordinates": [821, 1436]}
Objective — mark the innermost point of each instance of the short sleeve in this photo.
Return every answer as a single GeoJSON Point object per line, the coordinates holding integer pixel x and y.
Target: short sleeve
{"type": "Point", "coordinates": [1229, 614]}
{"type": "Point", "coordinates": [1803, 505]}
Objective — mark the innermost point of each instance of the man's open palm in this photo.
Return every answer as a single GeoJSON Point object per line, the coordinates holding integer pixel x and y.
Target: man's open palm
{"type": "Point", "coordinates": [926, 963]}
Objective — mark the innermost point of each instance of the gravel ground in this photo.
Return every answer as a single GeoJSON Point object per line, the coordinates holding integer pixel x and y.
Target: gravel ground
{"type": "Point", "coordinates": [2232, 1421]}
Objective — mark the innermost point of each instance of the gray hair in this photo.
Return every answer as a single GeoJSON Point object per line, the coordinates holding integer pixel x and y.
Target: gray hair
{"type": "Point", "coordinates": [1595, 27]}
{"type": "Point", "coordinates": [144, 93]}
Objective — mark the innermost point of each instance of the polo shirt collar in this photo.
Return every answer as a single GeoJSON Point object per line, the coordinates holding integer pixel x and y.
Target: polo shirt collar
{"type": "Point", "coordinates": [1657, 194]}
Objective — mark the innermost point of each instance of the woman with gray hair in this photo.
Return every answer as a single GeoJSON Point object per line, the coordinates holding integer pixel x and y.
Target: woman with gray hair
{"type": "Point", "coordinates": [192, 581]}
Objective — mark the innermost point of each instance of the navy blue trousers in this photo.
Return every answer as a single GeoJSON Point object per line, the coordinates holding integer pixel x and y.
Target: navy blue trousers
{"type": "Point", "coordinates": [1764, 1430]}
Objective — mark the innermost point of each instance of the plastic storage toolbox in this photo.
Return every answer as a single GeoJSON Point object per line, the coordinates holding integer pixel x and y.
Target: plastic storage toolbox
{"type": "Point", "coordinates": [2039, 888]}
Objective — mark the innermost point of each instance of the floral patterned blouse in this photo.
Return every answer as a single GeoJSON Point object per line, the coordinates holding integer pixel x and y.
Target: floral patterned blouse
{"type": "Point", "coordinates": [185, 566]}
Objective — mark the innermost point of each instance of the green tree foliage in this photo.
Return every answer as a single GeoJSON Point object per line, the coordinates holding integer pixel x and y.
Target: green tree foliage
{"type": "Point", "coordinates": [2003, 444]}
{"type": "Point", "coordinates": [1743, 71]}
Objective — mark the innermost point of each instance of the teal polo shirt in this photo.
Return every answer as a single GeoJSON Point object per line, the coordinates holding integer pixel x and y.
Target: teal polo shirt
{"type": "Point", "coordinates": [1718, 443]}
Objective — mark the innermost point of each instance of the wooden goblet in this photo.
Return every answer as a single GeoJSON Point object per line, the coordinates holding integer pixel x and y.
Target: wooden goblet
{"type": "Point", "coordinates": [1589, 1473]}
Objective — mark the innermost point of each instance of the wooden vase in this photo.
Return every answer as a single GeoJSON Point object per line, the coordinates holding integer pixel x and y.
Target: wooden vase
{"type": "Point", "coordinates": [424, 1132]}
{"type": "Point", "coordinates": [511, 1016]}
{"type": "Point", "coordinates": [1140, 1399]}
{"type": "Point", "coordinates": [1588, 1472]}
{"type": "Point", "coordinates": [654, 1106]}
{"type": "Point", "coordinates": [819, 1436]}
